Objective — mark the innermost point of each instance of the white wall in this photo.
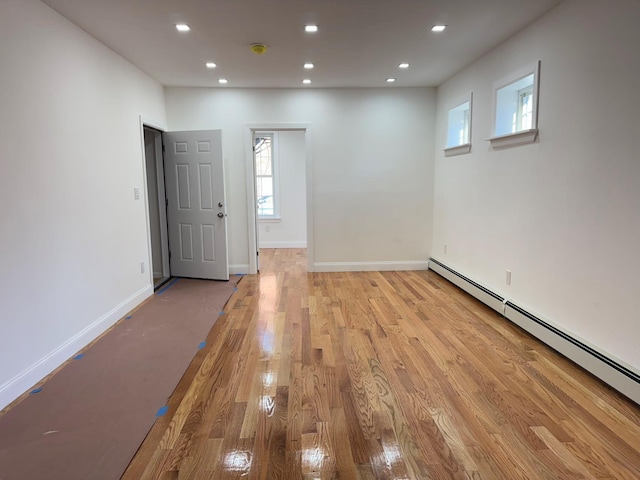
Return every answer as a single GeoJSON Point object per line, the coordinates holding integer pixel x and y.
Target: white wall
{"type": "Point", "coordinates": [562, 214]}
{"type": "Point", "coordinates": [290, 230]}
{"type": "Point", "coordinates": [372, 153]}
{"type": "Point", "coordinates": [72, 236]}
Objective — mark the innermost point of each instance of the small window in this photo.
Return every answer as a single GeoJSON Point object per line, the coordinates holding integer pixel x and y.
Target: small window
{"type": "Point", "coordinates": [515, 107]}
{"type": "Point", "coordinates": [264, 154]}
{"type": "Point", "coordinates": [459, 129]}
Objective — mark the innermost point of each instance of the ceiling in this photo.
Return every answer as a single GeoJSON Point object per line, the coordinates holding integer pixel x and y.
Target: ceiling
{"type": "Point", "coordinates": [359, 43]}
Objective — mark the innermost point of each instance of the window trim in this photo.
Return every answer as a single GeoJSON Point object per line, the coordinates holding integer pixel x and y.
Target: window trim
{"type": "Point", "coordinates": [519, 137]}
{"type": "Point", "coordinates": [275, 174]}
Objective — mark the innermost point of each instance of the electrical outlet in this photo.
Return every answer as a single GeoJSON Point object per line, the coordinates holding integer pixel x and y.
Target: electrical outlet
{"type": "Point", "coordinates": [508, 277]}
{"type": "Point", "coordinates": [267, 228]}
{"type": "Point", "coordinates": [445, 248]}
{"type": "Point", "coordinates": [141, 267]}
{"type": "Point", "coordinates": [136, 193]}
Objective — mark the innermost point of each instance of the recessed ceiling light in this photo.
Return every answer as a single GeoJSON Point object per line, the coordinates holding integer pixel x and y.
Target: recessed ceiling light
{"type": "Point", "coordinates": [438, 28]}
{"type": "Point", "coordinates": [183, 27]}
{"type": "Point", "coordinates": [310, 28]}
{"type": "Point", "coordinates": [306, 81]}
{"type": "Point", "coordinates": [210, 65]}
{"type": "Point", "coordinates": [403, 65]}
{"type": "Point", "coordinates": [223, 81]}
{"type": "Point", "coordinates": [391, 80]}
{"type": "Point", "coordinates": [308, 66]}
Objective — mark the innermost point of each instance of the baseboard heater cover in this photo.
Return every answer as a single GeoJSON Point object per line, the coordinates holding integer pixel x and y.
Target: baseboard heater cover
{"type": "Point", "coordinates": [608, 370]}
{"type": "Point", "coordinates": [612, 372]}
{"type": "Point", "coordinates": [482, 293]}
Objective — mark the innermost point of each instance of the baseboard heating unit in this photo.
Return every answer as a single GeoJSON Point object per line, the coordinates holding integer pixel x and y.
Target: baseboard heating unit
{"type": "Point", "coordinates": [611, 371]}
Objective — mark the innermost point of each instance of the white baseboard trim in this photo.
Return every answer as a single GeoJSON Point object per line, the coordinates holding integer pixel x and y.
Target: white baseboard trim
{"type": "Point", "coordinates": [19, 384]}
{"type": "Point", "coordinates": [605, 366]}
{"type": "Point", "coordinates": [284, 244]}
{"type": "Point", "coordinates": [240, 269]}
{"type": "Point", "coordinates": [370, 266]}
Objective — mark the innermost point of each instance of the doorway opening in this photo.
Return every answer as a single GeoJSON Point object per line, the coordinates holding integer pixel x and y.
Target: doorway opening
{"type": "Point", "coordinates": [156, 206]}
{"type": "Point", "coordinates": [279, 192]}
{"type": "Point", "coordinates": [186, 211]}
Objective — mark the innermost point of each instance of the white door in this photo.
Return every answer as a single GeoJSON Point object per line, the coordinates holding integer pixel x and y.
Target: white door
{"type": "Point", "coordinates": [196, 210]}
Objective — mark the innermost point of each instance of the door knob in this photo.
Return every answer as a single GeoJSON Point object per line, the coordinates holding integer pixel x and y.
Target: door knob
{"type": "Point", "coordinates": [220, 204]}
{"type": "Point", "coordinates": [220, 215]}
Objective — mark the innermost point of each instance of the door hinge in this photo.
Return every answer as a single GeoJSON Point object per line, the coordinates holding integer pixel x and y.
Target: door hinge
{"type": "Point", "coordinates": [257, 254]}
{"type": "Point", "coordinates": [163, 149]}
{"type": "Point", "coordinates": [169, 254]}
{"type": "Point", "coordinates": [166, 203]}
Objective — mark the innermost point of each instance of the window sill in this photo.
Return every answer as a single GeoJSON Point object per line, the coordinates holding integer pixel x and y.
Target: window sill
{"type": "Point", "coordinates": [269, 219]}
{"type": "Point", "coordinates": [457, 150]}
{"type": "Point", "coordinates": [514, 139]}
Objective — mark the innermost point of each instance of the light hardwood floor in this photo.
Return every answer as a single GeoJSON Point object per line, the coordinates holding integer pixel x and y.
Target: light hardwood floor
{"type": "Point", "coordinates": [392, 375]}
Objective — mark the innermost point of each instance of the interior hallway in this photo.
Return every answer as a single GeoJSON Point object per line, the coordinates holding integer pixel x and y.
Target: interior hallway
{"type": "Point", "coordinates": [385, 375]}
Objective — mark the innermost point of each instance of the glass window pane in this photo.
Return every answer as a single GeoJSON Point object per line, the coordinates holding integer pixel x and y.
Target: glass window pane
{"type": "Point", "coordinates": [511, 102]}
{"type": "Point", "coordinates": [265, 186]}
{"type": "Point", "coordinates": [263, 156]}
{"type": "Point", "coordinates": [458, 126]}
{"type": "Point", "coordinates": [526, 110]}
{"type": "Point", "coordinates": [266, 209]}
{"type": "Point", "coordinates": [265, 195]}
{"type": "Point", "coordinates": [265, 181]}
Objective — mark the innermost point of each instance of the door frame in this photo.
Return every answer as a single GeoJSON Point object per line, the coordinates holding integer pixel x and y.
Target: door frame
{"type": "Point", "coordinates": [249, 130]}
{"type": "Point", "coordinates": [164, 237]}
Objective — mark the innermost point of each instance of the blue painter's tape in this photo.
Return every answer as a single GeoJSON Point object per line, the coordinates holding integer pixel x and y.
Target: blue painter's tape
{"type": "Point", "coordinates": [240, 274]}
{"type": "Point", "coordinates": [221, 313]}
{"type": "Point", "coordinates": [235, 289]}
{"type": "Point", "coordinates": [128, 317]}
{"type": "Point", "coordinates": [79, 356]}
{"type": "Point", "coordinates": [162, 411]}
{"type": "Point", "coordinates": [202, 345]}
{"type": "Point", "coordinates": [35, 390]}
{"type": "Point", "coordinates": [168, 286]}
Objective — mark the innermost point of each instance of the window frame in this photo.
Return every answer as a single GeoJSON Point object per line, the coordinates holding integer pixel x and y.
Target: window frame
{"type": "Point", "coordinates": [275, 174]}
{"type": "Point", "coordinates": [501, 139]}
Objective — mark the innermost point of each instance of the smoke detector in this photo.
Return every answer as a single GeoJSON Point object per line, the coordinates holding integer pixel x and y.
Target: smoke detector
{"type": "Point", "coordinates": [258, 48]}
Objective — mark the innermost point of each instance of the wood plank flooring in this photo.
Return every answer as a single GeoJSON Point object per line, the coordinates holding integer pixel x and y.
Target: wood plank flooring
{"type": "Point", "coordinates": [381, 375]}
